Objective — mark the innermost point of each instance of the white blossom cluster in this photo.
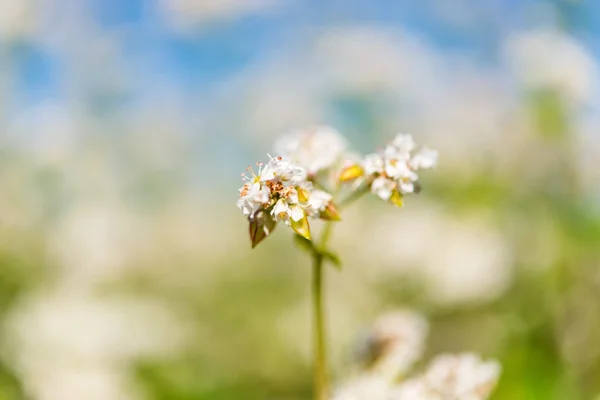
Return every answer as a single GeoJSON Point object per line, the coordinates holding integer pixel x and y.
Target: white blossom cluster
{"type": "Point", "coordinates": [280, 192]}
{"type": "Point", "coordinates": [451, 376]}
{"type": "Point", "coordinates": [393, 171]}
{"type": "Point", "coordinates": [396, 342]}
{"type": "Point", "coordinates": [316, 149]}
{"type": "Point", "coordinates": [399, 338]}
{"type": "Point", "coordinates": [288, 188]}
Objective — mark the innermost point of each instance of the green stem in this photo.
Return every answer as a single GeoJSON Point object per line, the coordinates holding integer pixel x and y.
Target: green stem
{"type": "Point", "coordinates": [321, 379]}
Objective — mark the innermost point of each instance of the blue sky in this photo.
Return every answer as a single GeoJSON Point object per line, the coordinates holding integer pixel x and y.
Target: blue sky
{"type": "Point", "coordinates": [200, 60]}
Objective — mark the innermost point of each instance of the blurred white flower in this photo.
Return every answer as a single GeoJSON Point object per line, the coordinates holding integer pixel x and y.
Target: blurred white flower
{"type": "Point", "coordinates": [396, 342]}
{"type": "Point", "coordinates": [548, 59]}
{"type": "Point", "coordinates": [448, 377]}
{"type": "Point", "coordinates": [471, 263]}
{"type": "Point", "coordinates": [456, 377]}
{"type": "Point", "coordinates": [315, 149]}
{"type": "Point", "coordinates": [413, 389]}
{"type": "Point", "coordinates": [67, 345]}
{"type": "Point", "coordinates": [364, 388]}
{"type": "Point", "coordinates": [93, 242]}
{"type": "Point", "coordinates": [424, 159]}
{"type": "Point", "coordinates": [459, 260]}
{"type": "Point", "coordinates": [318, 201]}
{"type": "Point", "coordinates": [95, 382]}
{"type": "Point", "coordinates": [383, 187]}
{"type": "Point", "coordinates": [18, 18]}
{"type": "Point", "coordinates": [373, 164]}
{"type": "Point", "coordinates": [371, 58]}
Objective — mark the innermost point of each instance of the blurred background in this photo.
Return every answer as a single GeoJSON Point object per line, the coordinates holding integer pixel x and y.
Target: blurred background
{"type": "Point", "coordinates": [125, 267]}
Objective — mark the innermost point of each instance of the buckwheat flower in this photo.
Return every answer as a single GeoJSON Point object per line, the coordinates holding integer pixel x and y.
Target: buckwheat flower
{"type": "Point", "coordinates": [252, 197]}
{"type": "Point", "coordinates": [395, 343]}
{"type": "Point", "coordinates": [424, 159]}
{"type": "Point", "coordinates": [383, 187]}
{"type": "Point", "coordinates": [279, 169]}
{"type": "Point", "coordinates": [403, 144]}
{"type": "Point", "coordinates": [315, 149]}
{"type": "Point", "coordinates": [374, 164]}
{"type": "Point", "coordinates": [320, 202]}
{"type": "Point", "coordinates": [392, 172]}
{"type": "Point", "coordinates": [457, 377]}
{"type": "Point", "coordinates": [280, 192]}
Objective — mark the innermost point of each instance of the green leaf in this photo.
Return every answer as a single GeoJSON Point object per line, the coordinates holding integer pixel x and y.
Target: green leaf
{"type": "Point", "coordinates": [332, 257]}
{"type": "Point", "coordinates": [304, 244]}
{"type": "Point", "coordinates": [309, 247]}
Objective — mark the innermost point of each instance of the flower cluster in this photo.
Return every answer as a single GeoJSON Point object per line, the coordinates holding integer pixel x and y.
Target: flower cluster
{"type": "Point", "coordinates": [453, 376]}
{"type": "Point", "coordinates": [392, 173]}
{"type": "Point", "coordinates": [395, 342]}
{"type": "Point", "coordinates": [316, 149]}
{"type": "Point", "coordinates": [285, 188]}
{"type": "Point", "coordinates": [448, 376]}
{"type": "Point", "coordinates": [280, 192]}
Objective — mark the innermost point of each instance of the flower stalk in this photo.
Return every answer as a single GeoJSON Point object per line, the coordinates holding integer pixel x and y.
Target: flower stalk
{"type": "Point", "coordinates": [321, 375]}
{"type": "Point", "coordinates": [291, 189]}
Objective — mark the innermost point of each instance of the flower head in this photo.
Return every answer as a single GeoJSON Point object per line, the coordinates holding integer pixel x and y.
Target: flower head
{"type": "Point", "coordinates": [392, 172]}
{"type": "Point", "coordinates": [315, 149]}
{"type": "Point", "coordinates": [280, 192]}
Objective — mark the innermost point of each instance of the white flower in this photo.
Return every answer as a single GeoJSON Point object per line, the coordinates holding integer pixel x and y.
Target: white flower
{"type": "Point", "coordinates": [280, 192]}
{"type": "Point", "coordinates": [383, 187]}
{"type": "Point", "coordinates": [404, 144]}
{"type": "Point", "coordinates": [252, 197]}
{"type": "Point", "coordinates": [315, 149]}
{"type": "Point", "coordinates": [373, 164]}
{"type": "Point", "coordinates": [286, 210]}
{"type": "Point", "coordinates": [396, 342]}
{"type": "Point", "coordinates": [393, 172]}
{"type": "Point", "coordinates": [280, 169]}
{"type": "Point", "coordinates": [318, 201]}
{"type": "Point", "coordinates": [424, 159]}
